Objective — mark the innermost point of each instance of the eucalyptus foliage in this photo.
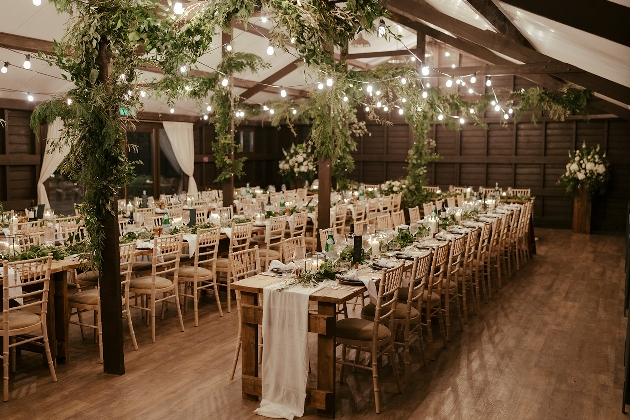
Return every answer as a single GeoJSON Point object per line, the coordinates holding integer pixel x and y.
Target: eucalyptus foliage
{"type": "Point", "coordinates": [558, 104]}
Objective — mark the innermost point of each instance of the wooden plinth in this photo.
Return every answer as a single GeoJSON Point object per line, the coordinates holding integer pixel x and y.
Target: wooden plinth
{"type": "Point", "coordinates": [581, 212]}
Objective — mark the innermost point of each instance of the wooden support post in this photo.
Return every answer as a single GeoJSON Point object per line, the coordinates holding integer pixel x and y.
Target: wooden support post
{"type": "Point", "coordinates": [326, 361]}
{"type": "Point", "coordinates": [110, 287]}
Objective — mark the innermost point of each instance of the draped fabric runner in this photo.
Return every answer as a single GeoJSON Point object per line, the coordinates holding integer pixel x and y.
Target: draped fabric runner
{"type": "Point", "coordinates": [52, 159]}
{"type": "Point", "coordinates": [285, 359]}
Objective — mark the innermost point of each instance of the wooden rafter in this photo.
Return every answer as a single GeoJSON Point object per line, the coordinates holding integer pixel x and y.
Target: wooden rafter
{"type": "Point", "coordinates": [598, 17]}
{"type": "Point", "coordinates": [418, 11]}
{"type": "Point", "coordinates": [506, 69]}
{"type": "Point", "coordinates": [491, 13]}
{"type": "Point", "coordinates": [286, 70]}
{"type": "Point", "coordinates": [25, 44]}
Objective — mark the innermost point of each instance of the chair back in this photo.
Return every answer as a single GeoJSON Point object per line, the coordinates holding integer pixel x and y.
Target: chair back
{"type": "Point", "coordinates": [438, 205]}
{"type": "Point", "coordinates": [396, 201]}
{"type": "Point", "coordinates": [372, 210]}
{"type": "Point", "coordinates": [386, 204]}
{"type": "Point", "coordinates": [340, 217]}
{"type": "Point", "coordinates": [456, 256]}
{"type": "Point", "coordinates": [250, 208]}
{"type": "Point", "coordinates": [414, 214]}
{"type": "Point", "coordinates": [225, 213]}
{"type": "Point", "coordinates": [207, 248]}
{"type": "Point", "coordinates": [361, 228]}
{"type": "Point", "coordinates": [241, 236]}
{"type": "Point", "coordinates": [143, 216]}
{"type": "Point", "coordinates": [275, 232]}
{"type": "Point", "coordinates": [245, 263]}
{"type": "Point", "coordinates": [27, 283]}
{"type": "Point", "coordinates": [471, 246]}
{"type": "Point", "coordinates": [398, 218]}
{"type": "Point", "coordinates": [289, 246]}
{"type": "Point", "coordinates": [127, 256]}
{"type": "Point", "coordinates": [384, 222]}
{"type": "Point", "coordinates": [460, 200]}
{"type": "Point", "coordinates": [484, 241]}
{"type": "Point", "coordinates": [301, 193]}
{"type": "Point", "coordinates": [431, 189]}
{"type": "Point", "coordinates": [387, 299]}
{"type": "Point", "coordinates": [201, 216]}
{"type": "Point", "coordinates": [418, 281]}
{"type": "Point", "coordinates": [359, 212]}
{"type": "Point", "coordinates": [323, 235]}
{"type": "Point", "coordinates": [298, 225]}
{"type": "Point", "coordinates": [166, 252]}
{"type": "Point", "coordinates": [450, 202]}
{"type": "Point", "coordinates": [438, 267]}
{"type": "Point", "coordinates": [29, 227]}
{"type": "Point", "coordinates": [522, 191]}
{"type": "Point", "coordinates": [175, 210]}
{"type": "Point", "coordinates": [427, 208]}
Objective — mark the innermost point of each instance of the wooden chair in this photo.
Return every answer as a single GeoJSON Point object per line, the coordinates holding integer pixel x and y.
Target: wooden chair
{"type": "Point", "coordinates": [165, 263]}
{"type": "Point", "coordinates": [460, 200]}
{"type": "Point", "coordinates": [201, 216]}
{"type": "Point", "coordinates": [483, 249]}
{"type": "Point", "coordinates": [450, 285]}
{"type": "Point", "coordinates": [289, 246]}
{"type": "Point", "coordinates": [202, 274]}
{"type": "Point", "coordinates": [428, 208]}
{"type": "Point", "coordinates": [467, 278]}
{"type": "Point", "coordinates": [239, 241]}
{"type": "Point", "coordinates": [144, 216]}
{"type": "Point", "coordinates": [527, 192]}
{"type": "Point", "coordinates": [375, 337]}
{"type": "Point", "coordinates": [244, 264]}
{"type": "Point", "coordinates": [431, 301]}
{"type": "Point", "coordinates": [249, 209]}
{"type": "Point", "coordinates": [361, 228]}
{"type": "Point", "coordinates": [302, 193]}
{"type": "Point", "coordinates": [414, 214]}
{"type": "Point", "coordinates": [385, 204]}
{"type": "Point", "coordinates": [359, 211]}
{"type": "Point", "coordinates": [372, 211]}
{"type": "Point", "coordinates": [298, 225]}
{"type": "Point", "coordinates": [493, 260]}
{"type": "Point", "coordinates": [175, 210]}
{"type": "Point", "coordinates": [89, 299]}
{"type": "Point", "coordinates": [270, 244]}
{"type": "Point", "coordinates": [225, 213]}
{"type": "Point", "coordinates": [521, 242]}
{"type": "Point", "coordinates": [27, 283]}
{"type": "Point", "coordinates": [323, 235]}
{"type": "Point", "coordinates": [505, 244]}
{"type": "Point", "coordinates": [339, 222]}
{"type": "Point", "coordinates": [438, 205]}
{"type": "Point", "coordinates": [398, 218]}
{"type": "Point", "coordinates": [450, 202]}
{"type": "Point", "coordinates": [396, 201]}
{"type": "Point", "coordinates": [384, 222]}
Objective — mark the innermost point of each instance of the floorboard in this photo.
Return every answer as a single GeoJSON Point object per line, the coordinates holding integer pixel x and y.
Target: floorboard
{"type": "Point", "coordinates": [549, 345]}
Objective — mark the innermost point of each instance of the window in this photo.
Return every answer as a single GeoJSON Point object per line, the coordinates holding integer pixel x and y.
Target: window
{"type": "Point", "coordinates": [143, 168]}
{"type": "Point", "coordinates": [63, 194]}
{"type": "Point", "coordinates": [246, 140]}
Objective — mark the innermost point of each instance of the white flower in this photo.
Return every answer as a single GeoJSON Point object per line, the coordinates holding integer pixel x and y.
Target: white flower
{"type": "Point", "coordinates": [590, 166]}
{"type": "Point", "coordinates": [601, 169]}
{"type": "Point", "coordinates": [574, 167]}
{"type": "Point", "coordinates": [577, 157]}
{"type": "Point", "coordinates": [300, 159]}
{"type": "Point", "coordinates": [396, 188]}
{"type": "Point", "coordinates": [580, 176]}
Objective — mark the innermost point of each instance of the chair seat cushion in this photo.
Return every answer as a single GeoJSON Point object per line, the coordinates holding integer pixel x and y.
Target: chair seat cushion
{"type": "Point", "coordinates": [88, 297]}
{"type": "Point", "coordinates": [274, 255]}
{"type": "Point", "coordinates": [403, 294]}
{"type": "Point", "coordinates": [401, 311]}
{"type": "Point", "coordinates": [222, 263]}
{"type": "Point", "coordinates": [360, 329]}
{"type": "Point", "coordinates": [435, 298]}
{"type": "Point", "coordinates": [189, 271]}
{"type": "Point", "coordinates": [21, 319]}
{"type": "Point", "coordinates": [452, 286]}
{"type": "Point", "coordinates": [146, 282]}
{"type": "Point", "coordinates": [258, 238]}
{"type": "Point", "coordinates": [142, 266]}
{"type": "Point", "coordinates": [87, 277]}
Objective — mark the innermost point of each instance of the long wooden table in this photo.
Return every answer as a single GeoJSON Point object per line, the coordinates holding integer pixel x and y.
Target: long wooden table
{"type": "Point", "coordinates": [323, 324]}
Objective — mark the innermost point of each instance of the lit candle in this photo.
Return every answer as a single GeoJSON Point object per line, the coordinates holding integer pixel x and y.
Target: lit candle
{"type": "Point", "coordinates": [376, 247]}
{"type": "Point", "coordinates": [458, 216]}
{"type": "Point", "coordinates": [467, 192]}
{"type": "Point", "coordinates": [432, 226]}
{"type": "Point", "coordinates": [14, 225]}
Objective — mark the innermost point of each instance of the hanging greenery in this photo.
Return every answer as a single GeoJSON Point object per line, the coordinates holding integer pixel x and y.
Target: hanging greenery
{"type": "Point", "coordinates": [558, 104]}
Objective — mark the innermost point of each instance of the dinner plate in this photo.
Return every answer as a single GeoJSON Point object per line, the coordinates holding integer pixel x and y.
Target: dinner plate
{"type": "Point", "coordinates": [349, 282]}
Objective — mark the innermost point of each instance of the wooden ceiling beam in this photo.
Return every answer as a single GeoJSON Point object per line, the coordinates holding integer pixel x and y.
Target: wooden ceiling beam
{"type": "Point", "coordinates": [25, 44]}
{"type": "Point", "coordinates": [286, 70]}
{"type": "Point", "coordinates": [420, 11]}
{"type": "Point", "coordinates": [495, 17]}
{"type": "Point", "coordinates": [377, 54]}
{"type": "Point", "coordinates": [505, 70]}
{"type": "Point", "coordinates": [598, 17]}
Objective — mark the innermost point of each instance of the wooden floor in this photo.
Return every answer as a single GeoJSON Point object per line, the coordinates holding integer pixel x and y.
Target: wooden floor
{"type": "Point", "coordinates": [548, 346]}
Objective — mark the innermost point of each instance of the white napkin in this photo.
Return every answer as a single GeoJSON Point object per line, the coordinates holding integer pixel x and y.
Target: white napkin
{"type": "Point", "coordinates": [227, 231]}
{"type": "Point", "coordinates": [404, 227]}
{"type": "Point", "coordinates": [192, 243]}
{"type": "Point", "coordinates": [6, 231]}
{"type": "Point", "coordinates": [140, 244]}
{"type": "Point", "coordinates": [387, 263]}
{"type": "Point", "coordinates": [277, 265]}
{"type": "Point", "coordinates": [446, 236]}
{"type": "Point", "coordinates": [368, 281]}
{"type": "Point", "coordinates": [14, 291]}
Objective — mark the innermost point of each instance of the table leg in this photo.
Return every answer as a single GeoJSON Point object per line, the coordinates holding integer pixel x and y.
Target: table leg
{"type": "Point", "coordinates": [59, 317]}
{"type": "Point", "coordinates": [249, 351]}
{"type": "Point", "coordinates": [326, 360]}
{"type": "Point", "coordinates": [532, 236]}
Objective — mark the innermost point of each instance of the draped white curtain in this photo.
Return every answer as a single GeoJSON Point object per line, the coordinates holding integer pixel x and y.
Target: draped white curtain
{"type": "Point", "coordinates": [180, 135]}
{"type": "Point", "coordinates": [52, 159]}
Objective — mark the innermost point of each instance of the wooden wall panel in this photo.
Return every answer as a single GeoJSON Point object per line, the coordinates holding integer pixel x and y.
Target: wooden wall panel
{"type": "Point", "coordinates": [500, 140]}
{"type": "Point", "coordinates": [473, 141]}
{"type": "Point", "coordinates": [591, 132]}
{"type": "Point", "coordinates": [374, 144]}
{"type": "Point", "coordinates": [446, 141]}
{"type": "Point", "coordinates": [552, 175]}
{"type": "Point", "coordinates": [20, 139]}
{"type": "Point", "coordinates": [474, 174]}
{"type": "Point", "coordinates": [445, 174]}
{"type": "Point", "coordinates": [396, 170]}
{"type": "Point", "coordinates": [22, 182]}
{"type": "Point", "coordinates": [558, 138]}
{"type": "Point", "coordinates": [374, 173]}
{"type": "Point", "coordinates": [499, 172]}
{"type": "Point", "coordinates": [529, 139]}
{"type": "Point", "coordinates": [398, 139]}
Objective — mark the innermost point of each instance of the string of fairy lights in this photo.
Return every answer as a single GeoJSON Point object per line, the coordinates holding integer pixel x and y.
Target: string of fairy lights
{"type": "Point", "coordinates": [426, 72]}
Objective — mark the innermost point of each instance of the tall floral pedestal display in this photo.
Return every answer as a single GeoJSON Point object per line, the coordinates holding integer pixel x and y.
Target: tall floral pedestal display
{"type": "Point", "coordinates": [581, 212]}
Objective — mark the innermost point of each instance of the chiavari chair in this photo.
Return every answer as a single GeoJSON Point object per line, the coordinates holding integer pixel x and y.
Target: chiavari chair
{"type": "Point", "coordinates": [414, 214]}
{"type": "Point", "coordinates": [427, 208]}
{"type": "Point", "coordinates": [297, 227]}
{"type": "Point", "coordinates": [483, 249]}
{"type": "Point", "coordinates": [270, 243]}
{"type": "Point", "coordinates": [289, 246]}
{"type": "Point", "coordinates": [493, 260]}
{"type": "Point", "coordinates": [526, 192]}
{"type": "Point", "coordinates": [467, 281]}
{"type": "Point", "coordinates": [340, 212]}
{"type": "Point", "coordinates": [239, 240]}
{"type": "Point", "coordinates": [384, 222]}
{"type": "Point", "coordinates": [398, 218]}
{"type": "Point", "coordinates": [449, 289]}
{"type": "Point", "coordinates": [372, 210]}
{"type": "Point", "coordinates": [396, 201]}
{"type": "Point", "coordinates": [450, 202]}
{"type": "Point", "coordinates": [431, 189]}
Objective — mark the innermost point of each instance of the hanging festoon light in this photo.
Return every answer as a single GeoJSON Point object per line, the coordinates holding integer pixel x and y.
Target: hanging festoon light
{"type": "Point", "coordinates": [497, 107]}
{"type": "Point", "coordinates": [294, 111]}
{"type": "Point", "coordinates": [471, 110]}
{"type": "Point", "coordinates": [510, 111]}
{"type": "Point", "coordinates": [369, 89]}
{"type": "Point", "coordinates": [178, 8]}
{"type": "Point", "coordinates": [283, 92]}
{"type": "Point", "coordinates": [5, 67]}
{"type": "Point", "coordinates": [172, 110]}
{"type": "Point", "coordinates": [270, 50]}
{"type": "Point", "coordinates": [208, 108]}
{"type": "Point", "coordinates": [27, 61]}
{"type": "Point", "coordinates": [224, 82]}
{"type": "Point", "coordinates": [424, 94]}
{"type": "Point", "coordinates": [489, 81]}
{"type": "Point", "coordinates": [329, 82]}
{"type": "Point", "coordinates": [447, 54]}
{"type": "Point", "coordinates": [382, 29]}
{"type": "Point", "coordinates": [205, 117]}
{"type": "Point", "coordinates": [143, 94]}
{"type": "Point", "coordinates": [378, 104]}
{"type": "Point", "coordinates": [413, 58]}
{"type": "Point", "coordinates": [473, 79]}
{"type": "Point", "coordinates": [122, 76]}
{"type": "Point", "coordinates": [265, 108]}
{"type": "Point", "coordinates": [470, 90]}
{"type": "Point", "coordinates": [400, 111]}
{"type": "Point", "coordinates": [425, 70]}
{"type": "Point", "coordinates": [271, 111]}
{"type": "Point", "coordinates": [263, 19]}
{"type": "Point", "coordinates": [441, 117]}
{"type": "Point", "coordinates": [345, 98]}
{"type": "Point", "coordinates": [367, 109]}
{"type": "Point", "coordinates": [403, 100]}
{"type": "Point", "coordinates": [493, 103]}
{"type": "Point", "coordinates": [37, 2]}
{"type": "Point", "coordinates": [506, 116]}
{"type": "Point", "coordinates": [182, 69]}
{"type": "Point", "coordinates": [292, 40]}
{"type": "Point", "coordinates": [428, 85]}
{"type": "Point", "coordinates": [69, 101]}
{"type": "Point", "coordinates": [320, 86]}
{"type": "Point", "coordinates": [449, 83]}
{"type": "Point", "coordinates": [462, 120]}
{"type": "Point", "coordinates": [30, 97]}
{"type": "Point", "coordinates": [453, 66]}
{"type": "Point", "coordinates": [385, 108]}
{"type": "Point", "coordinates": [403, 81]}
{"type": "Point", "coordinates": [228, 47]}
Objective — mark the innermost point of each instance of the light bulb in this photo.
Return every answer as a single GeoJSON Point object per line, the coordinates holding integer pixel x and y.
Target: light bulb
{"type": "Point", "coordinates": [294, 112]}
{"type": "Point", "coordinates": [448, 54]}
{"type": "Point", "coordinates": [345, 99]}
{"type": "Point", "coordinates": [510, 110]}
{"type": "Point", "coordinates": [506, 116]}
{"type": "Point", "coordinates": [172, 110]}
{"type": "Point", "coordinates": [425, 94]}
{"type": "Point", "coordinates": [449, 83]}
{"type": "Point", "coordinates": [428, 85]}
{"type": "Point", "coordinates": [400, 111]}
{"type": "Point", "coordinates": [69, 101]}
{"type": "Point", "coordinates": [292, 40]}
{"type": "Point", "coordinates": [473, 79]}
{"type": "Point", "coordinates": [224, 82]}
{"type": "Point", "coordinates": [471, 110]}
{"type": "Point", "coordinates": [369, 88]}
{"type": "Point", "coordinates": [270, 50]}
{"type": "Point", "coordinates": [440, 117]}
{"type": "Point", "coordinates": [143, 94]}
{"type": "Point", "coordinates": [453, 66]}
{"type": "Point", "coordinates": [425, 70]}
{"type": "Point", "coordinates": [37, 2]}
{"type": "Point", "coordinates": [208, 108]}
{"type": "Point", "coordinates": [122, 77]}
{"type": "Point", "coordinates": [129, 92]}
{"type": "Point", "coordinates": [462, 120]}
{"type": "Point", "coordinates": [29, 97]}
{"type": "Point", "coordinates": [329, 82]}
{"type": "Point", "coordinates": [489, 82]}
{"type": "Point", "coordinates": [497, 107]}
{"type": "Point", "coordinates": [178, 8]}
{"type": "Point", "coordinates": [205, 117]}
{"type": "Point", "coordinates": [265, 108]}
{"type": "Point", "coordinates": [385, 109]}
{"type": "Point", "coordinates": [403, 100]}
{"type": "Point", "coordinates": [5, 67]}
{"type": "Point", "coordinates": [458, 81]}
{"type": "Point", "coordinates": [367, 108]}
{"type": "Point", "coordinates": [263, 19]}
{"type": "Point", "coordinates": [413, 58]}
{"type": "Point", "coordinates": [183, 69]}
{"type": "Point", "coordinates": [470, 90]}
{"type": "Point", "coordinates": [419, 108]}
{"type": "Point", "coordinates": [378, 104]}
{"type": "Point", "coordinates": [187, 88]}
{"type": "Point", "coordinates": [271, 111]}
{"type": "Point", "coordinates": [228, 47]}
{"type": "Point", "coordinates": [493, 103]}
{"type": "Point", "coordinates": [403, 81]}
{"type": "Point", "coordinates": [27, 61]}
{"type": "Point", "coordinates": [283, 93]}
{"type": "Point", "coordinates": [320, 86]}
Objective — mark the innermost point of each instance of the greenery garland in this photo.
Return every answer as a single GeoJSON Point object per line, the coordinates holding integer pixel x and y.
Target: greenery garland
{"type": "Point", "coordinates": [558, 104]}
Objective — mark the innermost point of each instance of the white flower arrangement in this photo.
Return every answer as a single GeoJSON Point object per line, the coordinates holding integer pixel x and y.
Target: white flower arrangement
{"type": "Point", "coordinates": [298, 162]}
{"type": "Point", "coordinates": [393, 187]}
{"type": "Point", "coordinates": [586, 169]}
